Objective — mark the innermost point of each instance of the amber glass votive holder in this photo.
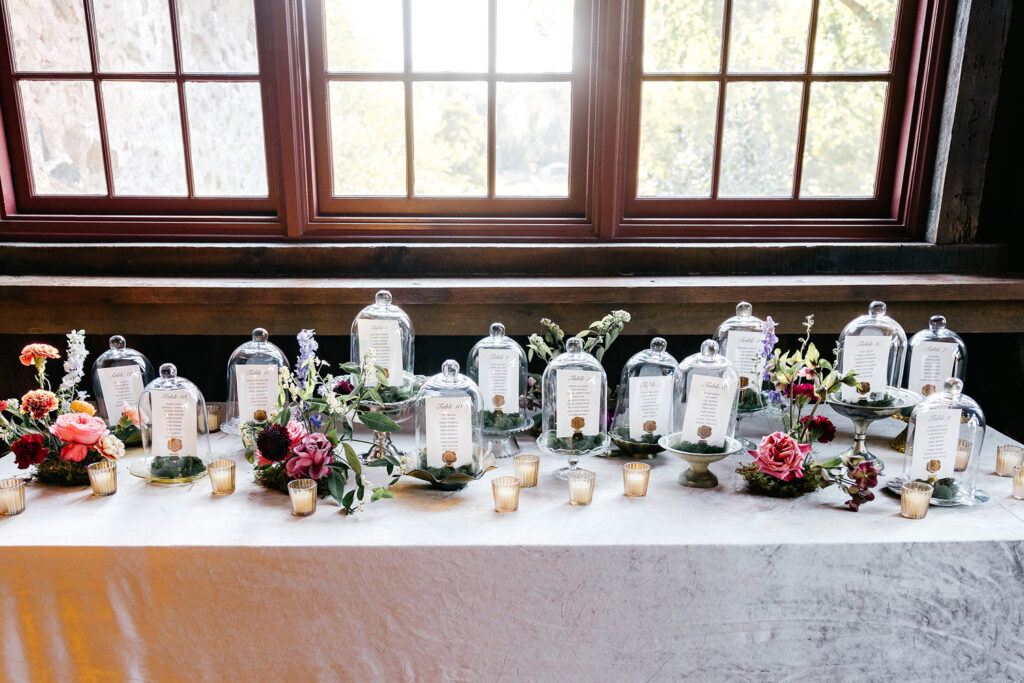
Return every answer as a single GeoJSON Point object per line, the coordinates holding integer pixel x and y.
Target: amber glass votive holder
{"type": "Point", "coordinates": [1018, 482]}
{"type": "Point", "coordinates": [222, 476]}
{"type": "Point", "coordinates": [506, 493]}
{"type": "Point", "coordinates": [635, 476]}
{"type": "Point", "coordinates": [1008, 456]}
{"type": "Point", "coordinates": [527, 466]}
{"type": "Point", "coordinates": [12, 497]}
{"type": "Point", "coordinates": [915, 497]}
{"type": "Point", "coordinates": [213, 415]}
{"type": "Point", "coordinates": [581, 487]}
{"type": "Point", "coordinates": [303, 495]}
{"type": "Point", "coordinates": [103, 477]}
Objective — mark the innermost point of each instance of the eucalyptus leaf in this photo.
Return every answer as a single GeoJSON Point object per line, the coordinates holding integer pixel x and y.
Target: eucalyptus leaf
{"type": "Point", "coordinates": [378, 423]}
{"type": "Point", "coordinates": [352, 458]}
{"type": "Point", "coordinates": [336, 485]}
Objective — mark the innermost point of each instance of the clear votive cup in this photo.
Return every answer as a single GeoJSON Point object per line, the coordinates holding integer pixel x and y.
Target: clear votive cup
{"type": "Point", "coordinates": [303, 494]}
{"type": "Point", "coordinates": [213, 417]}
{"type": "Point", "coordinates": [635, 476]}
{"type": "Point", "coordinates": [915, 497]}
{"type": "Point", "coordinates": [222, 476]}
{"type": "Point", "coordinates": [1018, 482]}
{"type": "Point", "coordinates": [103, 477]}
{"type": "Point", "coordinates": [506, 494]}
{"type": "Point", "coordinates": [581, 487]}
{"type": "Point", "coordinates": [1008, 456]}
{"type": "Point", "coordinates": [12, 497]}
{"type": "Point", "coordinates": [527, 466]}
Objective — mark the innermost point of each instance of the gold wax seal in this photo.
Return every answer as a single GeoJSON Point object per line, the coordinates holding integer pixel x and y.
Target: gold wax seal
{"type": "Point", "coordinates": [744, 382]}
{"type": "Point", "coordinates": [498, 402]}
{"type": "Point", "coordinates": [260, 415]}
{"type": "Point", "coordinates": [650, 426]}
{"type": "Point", "coordinates": [928, 390]}
{"type": "Point", "coordinates": [449, 458]}
{"type": "Point", "coordinates": [864, 388]}
{"type": "Point", "coordinates": [577, 423]}
{"type": "Point", "coordinates": [933, 466]}
{"type": "Point", "coordinates": [174, 445]}
{"type": "Point", "coordinates": [704, 431]}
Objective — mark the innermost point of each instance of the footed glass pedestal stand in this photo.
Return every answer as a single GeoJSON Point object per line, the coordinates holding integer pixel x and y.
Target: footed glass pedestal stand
{"type": "Point", "coordinates": [502, 443]}
{"type": "Point", "coordinates": [863, 414]}
{"type": "Point", "coordinates": [698, 476]}
{"type": "Point", "coordinates": [748, 444]}
{"type": "Point", "coordinates": [400, 412]}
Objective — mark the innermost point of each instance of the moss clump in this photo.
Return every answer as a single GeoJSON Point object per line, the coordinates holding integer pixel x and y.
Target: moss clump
{"type": "Point", "coordinates": [395, 394]}
{"type": "Point", "coordinates": [576, 442]}
{"type": "Point", "coordinates": [275, 477]}
{"type": "Point", "coordinates": [503, 422]}
{"type": "Point", "coordinates": [886, 402]}
{"type": "Point", "coordinates": [698, 448]}
{"type": "Point", "coordinates": [943, 489]}
{"type": "Point", "coordinates": [763, 484]}
{"type": "Point", "coordinates": [176, 467]}
{"type": "Point", "coordinates": [622, 433]}
{"type": "Point", "coordinates": [57, 471]}
{"type": "Point", "coordinates": [751, 400]}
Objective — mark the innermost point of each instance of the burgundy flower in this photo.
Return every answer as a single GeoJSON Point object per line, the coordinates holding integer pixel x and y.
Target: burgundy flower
{"type": "Point", "coordinates": [311, 459]}
{"type": "Point", "coordinates": [29, 450]}
{"type": "Point", "coordinates": [805, 390]}
{"type": "Point", "coordinates": [343, 387]}
{"type": "Point", "coordinates": [865, 475]}
{"type": "Point", "coordinates": [274, 443]}
{"type": "Point", "coordinates": [818, 428]}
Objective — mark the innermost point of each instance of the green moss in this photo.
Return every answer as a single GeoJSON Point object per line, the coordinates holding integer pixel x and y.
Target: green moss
{"type": "Point", "coordinates": [176, 467]}
{"type": "Point", "coordinates": [886, 402]}
{"type": "Point", "coordinates": [943, 489]}
{"type": "Point", "coordinates": [751, 400]}
{"type": "Point", "coordinates": [502, 422]}
{"type": "Point", "coordinates": [698, 448]}
{"type": "Point", "coordinates": [60, 472]}
{"type": "Point", "coordinates": [395, 394]}
{"type": "Point", "coordinates": [577, 442]}
{"type": "Point", "coordinates": [763, 484]}
{"type": "Point", "coordinates": [622, 433]}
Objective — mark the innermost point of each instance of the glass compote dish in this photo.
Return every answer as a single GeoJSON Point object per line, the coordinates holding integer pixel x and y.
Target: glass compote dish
{"type": "Point", "coordinates": [740, 340]}
{"type": "Point", "coordinates": [649, 391]}
{"type": "Point", "coordinates": [710, 398]}
{"type": "Point", "coordinates": [254, 381]}
{"type": "Point", "coordinates": [874, 405]}
{"type": "Point", "coordinates": [175, 434]}
{"type": "Point", "coordinates": [574, 411]}
{"type": "Point", "coordinates": [497, 363]}
{"type": "Point", "coordinates": [118, 377]}
{"type": "Point", "coordinates": [947, 429]}
{"type": "Point", "coordinates": [450, 449]}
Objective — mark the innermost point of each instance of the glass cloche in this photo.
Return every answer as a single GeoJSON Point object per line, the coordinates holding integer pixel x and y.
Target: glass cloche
{"type": "Point", "coordinates": [934, 355]}
{"type": "Point", "coordinates": [710, 398]}
{"type": "Point", "coordinates": [449, 434]}
{"type": "Point", "coordinates": [387, 331]}
{"type": "Point", "coordinates": [254, 380]}
{"type": "Point", "coordinates": [497, 364]}
{"type": "Point", "coordinates": [875, 346]}
{"type": "Point", "coordinates": [944, 445]}
{"type": "Point", "coordinates": [574, 410]}
{"type": "Point", "coordinates": [118, 378]}
{"type": "Point", "coordinates": [175, 434]}
{"type": "Point", "coordinates": [739, 340]}
{"type": "Point", "coordinates": [649, 391]}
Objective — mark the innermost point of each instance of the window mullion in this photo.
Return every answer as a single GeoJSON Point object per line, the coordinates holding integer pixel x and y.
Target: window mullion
{"type": "Point", "coordinates": [101, 116]}
{"type": "Point", "coordinates": [798, 164]}
{"type": "Point", "coordinates": [492, 32]}
{"type": "Point", "coordinates": [716, 162]}
{"type": "Point", "coordinates": [410, 169]}
{"type": "Point", "coordinates": [182, 107]}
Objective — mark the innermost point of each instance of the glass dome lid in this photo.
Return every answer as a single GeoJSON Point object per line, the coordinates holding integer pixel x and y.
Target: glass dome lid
{"type": "Point", "coordinates": [383, 330]}
{"type": "Point", "coordinates": [497, 363]}
{"type": "Point", "coordinates": [118, 377]}
{"type": "Point", "coordinates": [175, 434]}
{"type": "Point", "coordinates": [944, 444]}
{"type": "Point", "coordinates": [935, 354]}
{"type": "Point", "coordinates": [574, 406]}
{"type": "Point", "coordinates": [449, 420]}
{"type": "Point", "coordinates": [710, 386]}
{"type": "Point", "coordinates": [254, 380]}
{"type": "Point", "coordinates": [875, 346]}
{"type": "Point", "coordinates": [739, 340]}
{"type": "Point", "coordinates": [649, 390]}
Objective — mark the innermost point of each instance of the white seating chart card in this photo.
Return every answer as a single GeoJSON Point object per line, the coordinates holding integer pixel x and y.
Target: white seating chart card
{"type": "Point", "coordinates": [708, 409]}
{"type": "Point", "coordinates": [499, 380]}
{"type": "Point", "coordinates": [578, 401]}
{"type": "Point", "coordinates": [931, 364]}
{"type": "Point", "coordinates": [449, 431]}
{"type": "Point", "coordinates": [936, 437]}
{"type": "Point", "coordinates": [385, 338]}
{"type": "Point", "coordinates": [650, 405]}
{"type": "Point", "coordinates": [869, 356]}
{"type": "Point", "coordinates": [174, 423]}
{"type": "Point", "coordinates": [257, 387]}
{"type": "Point", "coordinates": [742, 348]}
{"type": "Point", "coordinates": [120, 385]}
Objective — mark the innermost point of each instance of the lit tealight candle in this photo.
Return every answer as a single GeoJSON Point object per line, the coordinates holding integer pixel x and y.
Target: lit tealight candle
{"type": "Point", "coordinates": [1008, 456]}
{"type": "Point", "coordinates": [1018, 482]}
{"type": "Point", "coordinates": [581, 487]}
{"type": "Point", "coordinates": [635, 476]}
{"type": "Point", "coordinates": [303, 495]}
{"type": "Point", "coordinates": [103, 477]}
{"type": "Point", "coordinates": [526, 467]}
{"type": "Point", "coordinates": [915, 497]}
{"type": "Point", "coordinates": [222, 476]}
{"type": "Point", "coordinates": [12, 497]}
{"type": "Point", "coordinates": [963, 455]}
{"type": "Point", "coordinates": [506, 494]}
{"type": "Point", "coordinates": [213, 417]}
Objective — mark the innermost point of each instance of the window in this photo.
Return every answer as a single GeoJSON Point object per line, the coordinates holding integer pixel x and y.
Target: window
{"type": "Point", "coordinates": [496, 119]}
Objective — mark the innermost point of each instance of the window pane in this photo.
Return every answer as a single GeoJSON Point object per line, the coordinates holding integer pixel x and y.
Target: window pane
{"type": "Point", "coordinates": [38, 29]}
{"type": "Point", "coordinates": [218, 36]}
{"type": "Point", "coordinates": [532, 139]}
{"type": "Point", "coordinates": [677, 139]}
{"type": "Point", "coordinates": [63, 136]}
{"type": "Point", "coordinates": [368, 138]}
{"type": "Point", "coordinates": [450, 137]}
{"type": "Point", "coordinates": [449, 35]}
{"type": "Point", "coordinates": [144, 132]}
{"type": "Point", "coordinates": [844, 132]}
{"type": "Point", "coordinates": [769, 35]}
{"type": "Point", "coordinates": [682, 36]}
{"type": "Point", "coordinates": [364, 36]}
{"type": "Point", "coordinates": [133, 36]}
{"type": "Point", "coordinates": [759, 139]}
{"type": "Point", "coordinates": [534, 36]}
{"type": "Point", "coordinates": [854, 36]}
{"type": "Point", "coordinates": [225, 123]}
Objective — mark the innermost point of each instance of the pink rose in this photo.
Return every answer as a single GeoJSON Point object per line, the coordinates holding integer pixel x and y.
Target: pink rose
{"type": "Point", "coordinates": [79, 432]}
{"type": "Point", "coordinates": [296, 430]}
{"type": "Point", "coordinates": [312, 458]}
{"type": "Point", "coordinates": [780, 456]}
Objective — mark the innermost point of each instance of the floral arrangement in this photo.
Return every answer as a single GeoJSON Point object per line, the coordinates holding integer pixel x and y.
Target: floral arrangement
{"type": "Point", "coordinates": [781, 466]}
{"type": "Point", "coordinates": [310, 435]}
{"type": "Point", "coordinates": [58, 433]}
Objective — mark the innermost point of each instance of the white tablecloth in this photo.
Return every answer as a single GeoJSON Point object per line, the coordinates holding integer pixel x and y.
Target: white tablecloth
{"type": "Point", "coordinates": [174, 583]}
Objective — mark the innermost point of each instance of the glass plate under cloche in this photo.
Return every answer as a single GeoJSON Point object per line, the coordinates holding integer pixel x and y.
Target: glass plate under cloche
{"type": "Point", "coordinates": [254, 381]}
{"type": "Point", "coordinates": [497, 363]}
{"type": "Point", "coordinates": [649, 390]}
{"type": "Point", "coordinates": [450, 449]}
{"type": "Point", "coordinates": [175, 434]}
{"type": "Point", "coordinates": [947, 430]}
{"type": "Point", "coordinates": [574, 407]}
{"type": "Point", "coordinates": [935, 354]}
{"type": "Point", "coordinates": [875, 346]}
{"type": "Point", "coordinates": [384, 329]}
{"type": "Point", "coordinates": [118, 377]}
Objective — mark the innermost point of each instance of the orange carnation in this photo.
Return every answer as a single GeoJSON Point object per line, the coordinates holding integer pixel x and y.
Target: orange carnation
{"type": "Point", "coordinates": [83, 407]}
{"type": "Point", "coordinates": [38, 403]}
{"type": "Point", "coordinates": [33, 352]}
